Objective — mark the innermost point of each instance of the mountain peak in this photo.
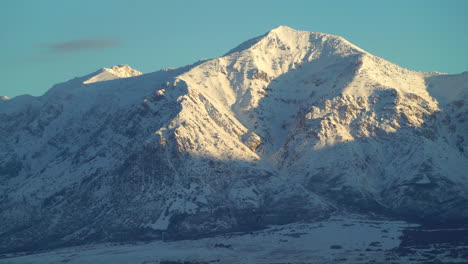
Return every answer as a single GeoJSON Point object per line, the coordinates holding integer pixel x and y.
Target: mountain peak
{"type": "Point", "coordinates": [3, 97]}
{"type": "Point", "coordinates": [115, 72]}
{"type": "Point", "coordinates": [123, 70]}
{"type": "Point", "coordinates": [282, 28]}
{"type": "Point", "coordinates": [293, 40]}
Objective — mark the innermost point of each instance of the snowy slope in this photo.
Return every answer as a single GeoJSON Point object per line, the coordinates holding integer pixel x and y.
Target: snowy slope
{"type": "Point", "coordinates": [288, 126]}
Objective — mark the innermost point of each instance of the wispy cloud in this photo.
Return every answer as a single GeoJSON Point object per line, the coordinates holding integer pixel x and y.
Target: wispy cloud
{"type": "Point", "coordinates": [51, 52]}
{"type": "Point", "coordinates": [80, 45]}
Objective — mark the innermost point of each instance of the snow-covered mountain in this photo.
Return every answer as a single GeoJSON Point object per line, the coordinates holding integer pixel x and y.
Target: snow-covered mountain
{"type": "Point", "coordinates": [288, 126]}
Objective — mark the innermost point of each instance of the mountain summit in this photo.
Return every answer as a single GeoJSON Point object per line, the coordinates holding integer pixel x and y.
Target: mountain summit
{"type": "Point", "coordinates": [116, 72]}
{"type": "Point", "coordinates": [288, 126]}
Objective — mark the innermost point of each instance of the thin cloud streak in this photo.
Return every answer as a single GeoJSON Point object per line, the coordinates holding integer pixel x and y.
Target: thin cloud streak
{"type": "Point", "coordinates": [81, 45]}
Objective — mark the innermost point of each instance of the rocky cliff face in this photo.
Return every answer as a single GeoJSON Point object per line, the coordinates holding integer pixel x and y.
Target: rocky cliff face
{"type": "Point", "coordinates": [291, 125]}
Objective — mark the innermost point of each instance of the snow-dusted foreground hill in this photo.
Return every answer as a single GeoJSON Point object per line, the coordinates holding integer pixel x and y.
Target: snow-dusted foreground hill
{"type": "Point", "coordinates": [288, 126]}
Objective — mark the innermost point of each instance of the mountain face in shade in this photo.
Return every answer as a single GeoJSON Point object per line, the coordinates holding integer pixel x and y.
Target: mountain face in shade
{"type": "Point", "coordinates": [289, 126]}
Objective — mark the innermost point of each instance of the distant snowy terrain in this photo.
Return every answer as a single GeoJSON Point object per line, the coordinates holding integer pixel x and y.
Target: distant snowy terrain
{"type": "Point", "coordinates": [290, 126]}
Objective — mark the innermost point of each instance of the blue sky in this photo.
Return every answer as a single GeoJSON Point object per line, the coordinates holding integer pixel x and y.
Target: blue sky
{"type": "Point", "coordinates": [46, 42]}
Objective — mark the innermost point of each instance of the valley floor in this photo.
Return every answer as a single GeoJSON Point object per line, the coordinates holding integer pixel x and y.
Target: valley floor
{"type": "Point", "coordinates": [341, 239]}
